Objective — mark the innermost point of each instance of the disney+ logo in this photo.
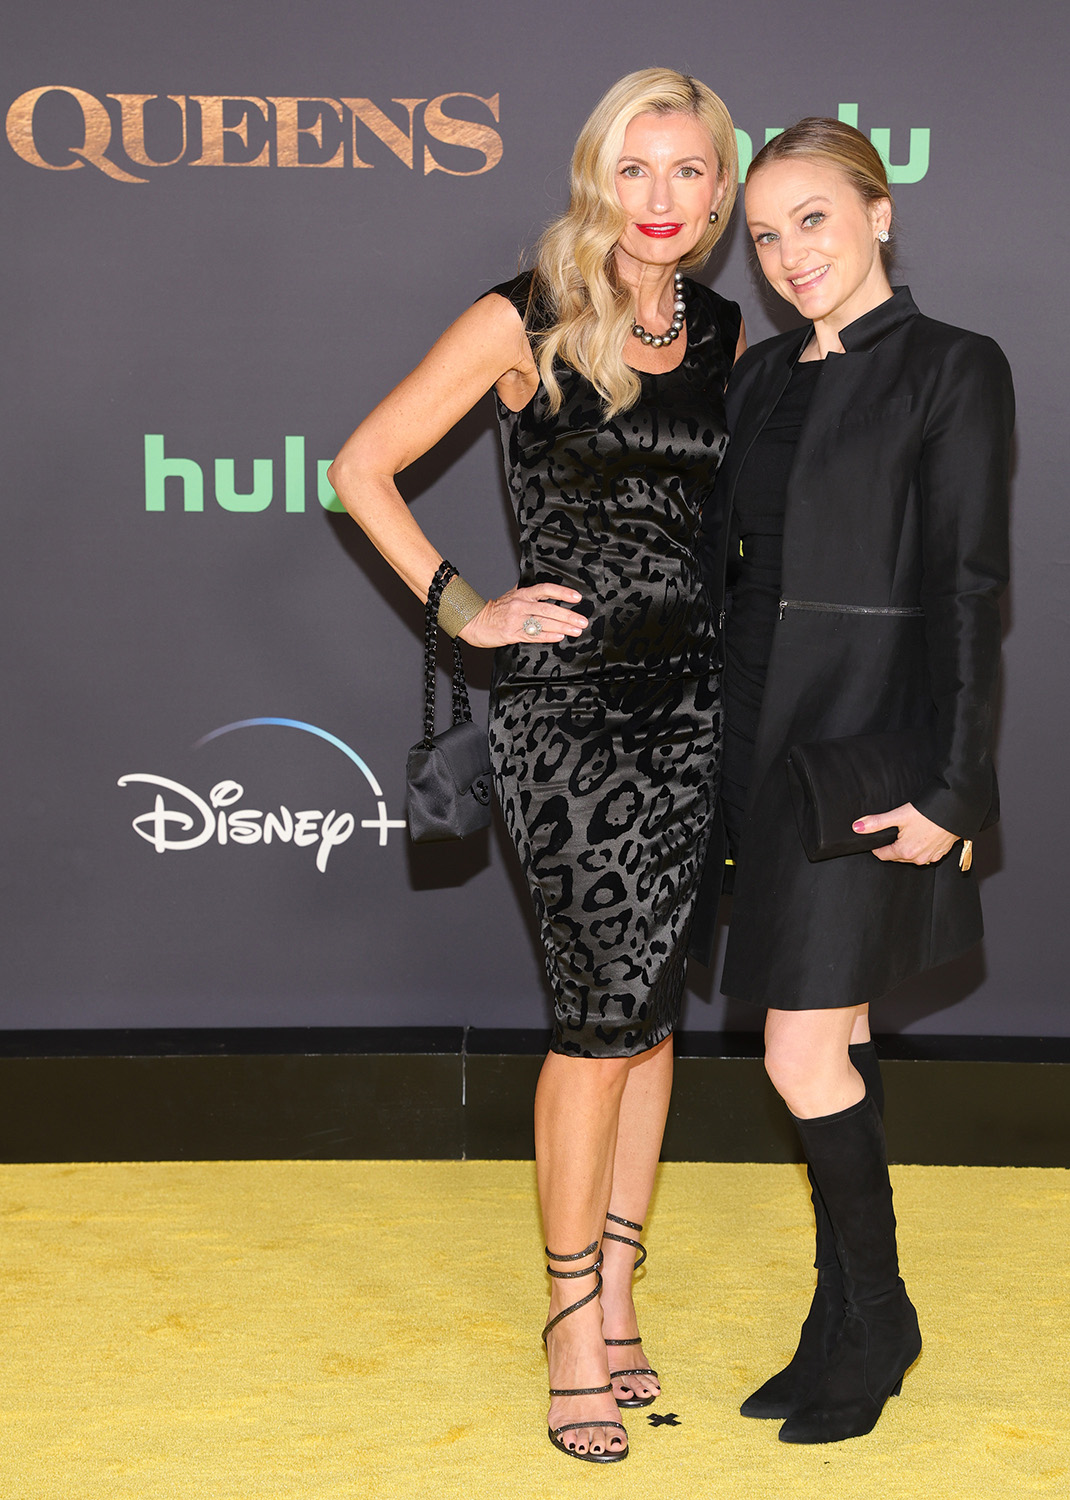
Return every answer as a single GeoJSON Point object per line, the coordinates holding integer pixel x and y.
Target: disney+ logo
{"type": "Point", "coordinates": [180, 818]}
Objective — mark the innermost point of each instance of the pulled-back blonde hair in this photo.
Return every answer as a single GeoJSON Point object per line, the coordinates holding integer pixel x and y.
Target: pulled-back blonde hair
{"type": "Point", "coordinates": [575, 268]}
{"type": "Point", "coordinates": [835, 144]}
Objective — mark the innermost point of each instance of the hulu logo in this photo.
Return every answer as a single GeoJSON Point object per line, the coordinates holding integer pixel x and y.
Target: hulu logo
{"type": "Point", "coordinates": [912, 170]}
{"type": "Point", "coordinates": [159, 468]}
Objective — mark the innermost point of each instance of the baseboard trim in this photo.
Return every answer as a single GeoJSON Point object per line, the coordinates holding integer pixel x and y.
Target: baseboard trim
{"type": "Point", "coordinates": [452, 1093]}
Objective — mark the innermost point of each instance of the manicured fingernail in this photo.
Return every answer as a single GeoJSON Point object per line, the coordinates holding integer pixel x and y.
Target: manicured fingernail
{"type": "Point", "coordinates": [860, 826]}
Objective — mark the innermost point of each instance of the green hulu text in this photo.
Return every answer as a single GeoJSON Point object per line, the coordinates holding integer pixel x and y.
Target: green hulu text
{"type": "Point", "coordinates": [189, 477]}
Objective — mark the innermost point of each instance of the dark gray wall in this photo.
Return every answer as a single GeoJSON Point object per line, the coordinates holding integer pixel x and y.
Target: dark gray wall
{"type": "Point", "coordinates": [229, 308]}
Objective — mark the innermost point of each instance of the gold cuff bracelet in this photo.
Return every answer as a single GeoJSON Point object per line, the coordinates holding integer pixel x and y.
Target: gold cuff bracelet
{"type": "Point", "coordinates": [459, 604]}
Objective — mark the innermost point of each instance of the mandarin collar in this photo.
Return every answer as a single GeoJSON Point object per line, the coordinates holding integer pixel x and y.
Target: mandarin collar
{"type": "Point", "coordinates": [866, 332]}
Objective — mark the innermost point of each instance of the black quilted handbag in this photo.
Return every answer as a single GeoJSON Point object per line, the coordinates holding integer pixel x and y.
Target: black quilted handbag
{"type": "Point", "coordinates": [448, 774]}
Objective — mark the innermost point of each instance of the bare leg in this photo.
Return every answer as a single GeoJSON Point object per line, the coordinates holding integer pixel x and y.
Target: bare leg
{"type": "Point", "coordinates": [577, 1106]}
{"type": "Point", "coordinates": [643, 1111]}
{"type": "Point", "coordinates": [806, 1057]}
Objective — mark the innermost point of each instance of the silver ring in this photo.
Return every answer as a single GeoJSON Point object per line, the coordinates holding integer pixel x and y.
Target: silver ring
{"type": "Point", "coordinates": [531, 626]}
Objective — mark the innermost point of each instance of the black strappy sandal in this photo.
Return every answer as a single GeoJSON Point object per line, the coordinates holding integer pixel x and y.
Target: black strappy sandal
{"type": "Point", "coordinates": [554, 1433]}
{"type": "Point", "coordinates": [622, 1239]}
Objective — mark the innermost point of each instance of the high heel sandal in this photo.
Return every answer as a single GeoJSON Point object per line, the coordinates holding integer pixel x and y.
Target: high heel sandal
{"type": "Point", "coordinates": [610, 1456]}
{"type": "Point", "coordinates": [622, 1239]}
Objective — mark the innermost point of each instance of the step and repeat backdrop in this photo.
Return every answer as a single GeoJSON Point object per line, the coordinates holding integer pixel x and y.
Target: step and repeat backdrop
{"type": "Point", "coordinates": [229, 231]}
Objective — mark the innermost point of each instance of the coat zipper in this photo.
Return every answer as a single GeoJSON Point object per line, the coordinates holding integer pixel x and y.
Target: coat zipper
{"type": "Point", "coordinates": [903, 610]}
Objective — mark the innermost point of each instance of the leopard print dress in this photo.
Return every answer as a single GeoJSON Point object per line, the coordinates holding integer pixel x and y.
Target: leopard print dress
{"type": "Point", "coordinates": [606, 747]}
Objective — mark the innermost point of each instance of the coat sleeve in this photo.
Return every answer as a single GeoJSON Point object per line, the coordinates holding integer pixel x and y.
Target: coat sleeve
{"type": "Point", "coordinates": [964, 479]}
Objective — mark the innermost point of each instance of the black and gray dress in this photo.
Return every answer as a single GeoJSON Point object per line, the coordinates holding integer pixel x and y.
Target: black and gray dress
{"type": "Point", "coordinates": [606, 747]}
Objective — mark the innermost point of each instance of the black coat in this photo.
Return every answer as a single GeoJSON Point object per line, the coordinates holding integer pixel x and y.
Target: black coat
{"type": "Point", "coordinates": [897, 501]}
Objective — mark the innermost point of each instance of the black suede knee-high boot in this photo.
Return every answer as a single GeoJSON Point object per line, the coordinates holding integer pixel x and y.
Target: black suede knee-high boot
{"type": "Point", "coordinates": [880, 1338]}
{"type": "Point", "coordinates": [786, 1391]}
{"type": "Point", "coordinates": [864, 1057]}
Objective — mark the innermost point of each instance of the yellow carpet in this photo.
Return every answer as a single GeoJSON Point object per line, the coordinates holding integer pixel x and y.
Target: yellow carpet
{"type": "Point", "coordinates": [231, 1331]}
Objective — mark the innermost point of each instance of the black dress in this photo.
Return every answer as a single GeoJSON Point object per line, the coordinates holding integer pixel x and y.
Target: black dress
{"type": "Point", "coordinates": [605, 747]}
{"type": "Point", "coordinates": [753, 589]}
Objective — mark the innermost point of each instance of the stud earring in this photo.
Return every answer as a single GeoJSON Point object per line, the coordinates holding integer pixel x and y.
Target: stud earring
{"type": "Point", "coordinates": [714, 216]}
{"type": "Point", "coordinates": [883, 236]}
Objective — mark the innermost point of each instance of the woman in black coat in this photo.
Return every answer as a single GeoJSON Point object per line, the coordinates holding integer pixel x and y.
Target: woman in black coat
{"type": "Point", "coordinates": [862, 527]}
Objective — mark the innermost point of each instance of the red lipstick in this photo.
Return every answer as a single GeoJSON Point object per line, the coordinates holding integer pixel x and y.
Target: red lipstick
{"type": "Point", "coordinates": [659, 231]}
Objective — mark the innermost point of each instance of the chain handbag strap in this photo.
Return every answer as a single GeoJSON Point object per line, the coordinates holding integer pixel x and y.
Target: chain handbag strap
{"type": "Point", "coordinates": [462, 709]}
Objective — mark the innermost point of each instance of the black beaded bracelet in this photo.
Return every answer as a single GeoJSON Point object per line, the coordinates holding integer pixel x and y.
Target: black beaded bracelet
{"type": "Point", "coordinates": [461, 708]}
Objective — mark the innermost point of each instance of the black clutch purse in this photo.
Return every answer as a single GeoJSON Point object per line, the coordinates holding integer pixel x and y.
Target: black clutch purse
{"type": "Point", "coordinates": [448, 774]}
{"type": "Point", "coordinates": [833, 782]}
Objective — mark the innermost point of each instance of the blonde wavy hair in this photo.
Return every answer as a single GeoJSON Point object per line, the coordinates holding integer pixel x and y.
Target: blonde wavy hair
{"type": "Point", "coordinates": [575, 269]}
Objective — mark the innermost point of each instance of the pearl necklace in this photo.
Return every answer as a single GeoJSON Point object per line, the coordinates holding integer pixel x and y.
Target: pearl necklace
{"type": "Point", "coordinates": [656, 340]}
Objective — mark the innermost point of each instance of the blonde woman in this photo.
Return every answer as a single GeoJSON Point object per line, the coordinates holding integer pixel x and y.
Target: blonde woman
{"type": "Point", "coordinates": [608, 367]}
{"type": "Point", "coordinates": [861, 522]}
